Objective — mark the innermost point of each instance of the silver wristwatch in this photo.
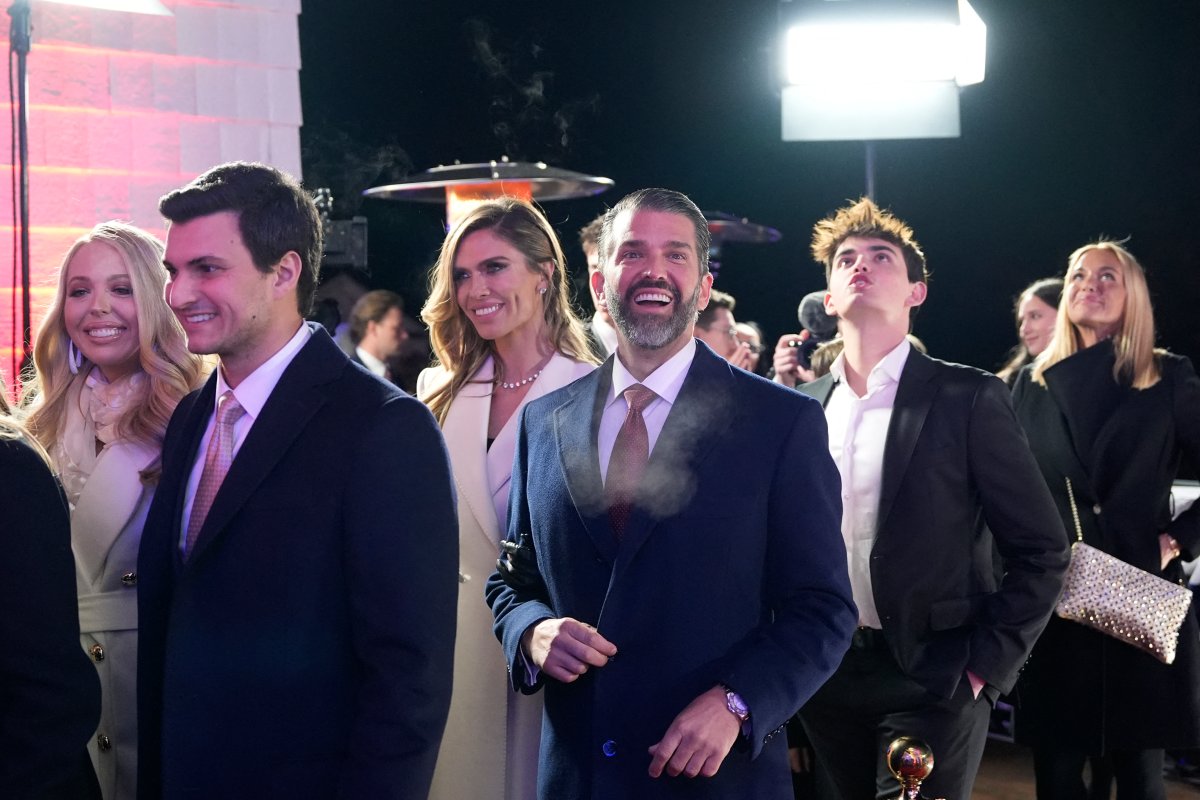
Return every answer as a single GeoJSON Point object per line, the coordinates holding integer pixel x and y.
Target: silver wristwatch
{"type": "Point", "coordinates": [736, 705]}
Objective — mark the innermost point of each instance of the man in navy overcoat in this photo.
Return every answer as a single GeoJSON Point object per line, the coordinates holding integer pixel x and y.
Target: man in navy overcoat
{"type": "Point", "coordinates": [674, 640]}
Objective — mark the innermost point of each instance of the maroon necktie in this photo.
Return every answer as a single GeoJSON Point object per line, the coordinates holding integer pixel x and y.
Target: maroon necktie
{"type": "Point", "coordinates": [630, 452]}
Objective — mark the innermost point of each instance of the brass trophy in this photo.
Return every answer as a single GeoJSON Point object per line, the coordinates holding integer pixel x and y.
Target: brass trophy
{"type": "Point", "coordinates": [911, 761]}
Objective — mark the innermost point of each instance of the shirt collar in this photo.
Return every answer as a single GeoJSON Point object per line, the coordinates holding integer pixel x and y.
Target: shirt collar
{"type": "Point", "coordinates": [886, 371]}
{"type": "Point", "coordinates": [371, 362]}
{"type": "Point", "coordinates": [666, 381]}
{"type": "Point", "coordinates": [253, 391]}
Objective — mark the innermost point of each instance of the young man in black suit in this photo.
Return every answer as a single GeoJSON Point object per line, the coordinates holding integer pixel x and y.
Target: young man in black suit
{"type": "Point", "coordinates": [936, 478]}
{"type": "Point", "coordinates": [296, 622]}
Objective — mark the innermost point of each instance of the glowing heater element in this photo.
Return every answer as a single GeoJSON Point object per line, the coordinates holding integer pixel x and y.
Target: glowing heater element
{"type": "Point", "coordinates": [881, 77]}
{"type": "Point", "coordinates": [461, 199]}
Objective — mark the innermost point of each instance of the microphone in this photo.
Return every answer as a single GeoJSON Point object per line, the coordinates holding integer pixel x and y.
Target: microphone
{"type": "Point", "coordinates": [813, 318]}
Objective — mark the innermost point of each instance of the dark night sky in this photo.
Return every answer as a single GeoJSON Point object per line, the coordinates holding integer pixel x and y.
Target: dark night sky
{"type": "Point", "coordinates": [1087, 124]}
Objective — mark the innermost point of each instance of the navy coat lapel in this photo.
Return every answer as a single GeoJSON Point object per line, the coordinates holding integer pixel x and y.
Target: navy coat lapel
{"type": "Point", "coordinates": [294, 400]}
{"type": "Point", "coordinates": [914, 398]}
{"type": "Point", "coordinates": [576, 423]}
{"type": "Point", "coordinates": [702, 413]}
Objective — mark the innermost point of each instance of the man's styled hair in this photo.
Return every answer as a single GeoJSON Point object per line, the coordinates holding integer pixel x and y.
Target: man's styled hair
{"type": "Point", "coordinates": [589, 235]}
{"type": "Point", "coordinates": [666, 200]}
{"type": "Point", "coordinates": [372, 307]}
{"type": "Point", "coordinates": [866, 220]}
{"type": "Point", "coordinates": [716, 299]}
{"type": "Point", "coordinates": [275, 216]}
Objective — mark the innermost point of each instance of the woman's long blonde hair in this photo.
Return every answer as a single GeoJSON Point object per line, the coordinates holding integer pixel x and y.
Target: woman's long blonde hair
{"type": "Point", "coordinates": [1133, 342]}
{"type": "Point", "coordinates": [456, 345]}
{"type": "Point", "coordinates": [162, 349]}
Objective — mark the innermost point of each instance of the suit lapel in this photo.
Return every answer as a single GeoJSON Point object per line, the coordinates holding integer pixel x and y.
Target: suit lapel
{"type": "Point", "coordinates": [914, 397]}
{"type": "Point", "coordinates": [292, 403]}
{"type": "Point", "coordinates": [107, 502]}
{"type": "Point", "coordinates": [466, 440]}
{"type": "Point", "coordinates": [819, 390]}
{"type": "Point", "coordinates": [576, 423]}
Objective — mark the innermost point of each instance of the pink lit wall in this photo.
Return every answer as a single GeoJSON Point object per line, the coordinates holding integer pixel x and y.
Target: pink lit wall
{"type": "Point", "coordinates": [125, 107]}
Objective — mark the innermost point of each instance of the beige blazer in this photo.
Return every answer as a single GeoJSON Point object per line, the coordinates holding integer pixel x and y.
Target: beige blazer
{"type": "Point", "coordinates": [106, 529]}
{"type": "Point", "coordinates": [490, 748]}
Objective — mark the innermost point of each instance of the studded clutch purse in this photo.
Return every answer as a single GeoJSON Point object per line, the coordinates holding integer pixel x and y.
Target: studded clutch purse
{"type": "Point", "coordinates": [1118, 599]}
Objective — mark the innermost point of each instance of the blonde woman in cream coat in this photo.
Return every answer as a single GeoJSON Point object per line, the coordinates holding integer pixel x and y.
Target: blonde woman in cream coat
{"type": "Point", "coordinates": [503, 333]}
{"type": "Point", "coordinates": [112, 364]}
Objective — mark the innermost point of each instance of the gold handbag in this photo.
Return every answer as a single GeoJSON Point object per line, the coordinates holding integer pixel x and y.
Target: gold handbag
{"type": "Point", "coordinates": [1120, 600]}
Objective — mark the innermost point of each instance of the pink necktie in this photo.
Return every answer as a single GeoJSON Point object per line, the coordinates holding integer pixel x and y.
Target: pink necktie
{"type": "Point", "coordinates": [630, 452]}
{"type": "Point", "coordinates": [216, 464]}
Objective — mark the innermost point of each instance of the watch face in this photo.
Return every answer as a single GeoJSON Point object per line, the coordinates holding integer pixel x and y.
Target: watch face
{"type": "Point", "coordinates": [736, 706]}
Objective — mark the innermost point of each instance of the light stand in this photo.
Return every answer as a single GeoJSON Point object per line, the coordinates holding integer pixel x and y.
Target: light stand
{"type": "Point", "coordinates": [19, 35]}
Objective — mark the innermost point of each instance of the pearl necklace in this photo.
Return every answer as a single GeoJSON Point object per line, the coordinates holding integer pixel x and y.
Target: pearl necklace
{"type": "Point", "coordinates": [519, 384]}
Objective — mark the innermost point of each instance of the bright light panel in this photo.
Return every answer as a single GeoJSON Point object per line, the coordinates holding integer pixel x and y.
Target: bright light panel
{"type": "Point", "coordinates": [132, 6]}
{"type": "Point", "coordinates": [858, 53]}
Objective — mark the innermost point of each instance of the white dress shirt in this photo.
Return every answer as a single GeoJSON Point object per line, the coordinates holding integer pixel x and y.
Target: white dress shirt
{"type": "Point", "coordinates": [665, 382]}
{"type": "Point", "coordinates": [372, 363]}
{"type": "Point", "coordinates": [252, 394]}
{"type": "Point", "coordinates": [606, 333]}
{"type": "Point", "coordinates": [858, 428]}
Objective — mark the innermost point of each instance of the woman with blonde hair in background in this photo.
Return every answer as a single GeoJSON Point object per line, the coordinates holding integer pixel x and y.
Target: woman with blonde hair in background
{"type": "Point", "coordinates": [111, 365]}
{"type": "Point", "coordinates": [1108, 418]}
{"type": "Point", "coordinates": [503, 333]}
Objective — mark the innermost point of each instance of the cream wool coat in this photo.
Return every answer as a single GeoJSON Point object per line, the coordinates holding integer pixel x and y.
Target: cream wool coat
{"type": "Point", "coordinates": [490, 748]}
{"type": "Point", "coordinates": [106, 529]}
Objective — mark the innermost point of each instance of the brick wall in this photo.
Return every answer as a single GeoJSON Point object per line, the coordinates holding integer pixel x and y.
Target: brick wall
{"type": "Point", "coordinates": [125, 107]}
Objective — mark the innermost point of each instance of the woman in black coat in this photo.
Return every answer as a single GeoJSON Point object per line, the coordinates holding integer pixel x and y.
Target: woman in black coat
{"type": "Point", "coordinates": [1107, 411]}
{"type": "Point", "coordinates": [49, 692]}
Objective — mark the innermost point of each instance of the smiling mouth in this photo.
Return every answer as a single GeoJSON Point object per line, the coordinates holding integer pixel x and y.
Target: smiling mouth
{"type": "Point", "coordinates": [105, 333]}
{"type": "Point", "coordinates": [487, 311]}
{"type": "Point", "coordinates": [652, 297]}
{"type": "Point", "coordinates": [196, 319]}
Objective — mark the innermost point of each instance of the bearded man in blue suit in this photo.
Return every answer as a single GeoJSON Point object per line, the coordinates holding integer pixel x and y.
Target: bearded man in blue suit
{"type": "Point", "coordinates": [676, 619]}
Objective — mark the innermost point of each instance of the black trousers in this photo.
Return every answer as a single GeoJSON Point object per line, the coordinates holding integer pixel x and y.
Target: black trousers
{"type": "Point", "coordinates": [869, 702]}
{"type": "Point", "coordinates": [1059, 773]}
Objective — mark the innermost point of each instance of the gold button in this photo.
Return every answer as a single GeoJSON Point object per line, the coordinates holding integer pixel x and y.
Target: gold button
{"type": "Point", "coordinates": [129, 579]}
{"type": "Point", "coordinates": [104, 743]}
{"type": "Point", "coordinates": [97, 653]}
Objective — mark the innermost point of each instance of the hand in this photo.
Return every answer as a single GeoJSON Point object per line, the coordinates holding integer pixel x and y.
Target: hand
{"type": "Point", "coordinates": [698, 739]}
{"type": "Point", "coordinates": [800, 760]}
{"type": "Point", "coordinates": [743, 357]}
{"type": "Point", "coordinates": [787, 357]}
{"type": "Point", "coordinates": [1168, 549]}
{"type": "Point", "coordinates": [565, 648]}
{"type": "Point", "coordinates": [977, 683]}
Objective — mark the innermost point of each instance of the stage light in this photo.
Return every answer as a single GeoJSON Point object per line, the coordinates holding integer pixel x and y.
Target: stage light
{"type": "Point", "coordinates": [131, 6]}
{"type": "Point", "coordinates": [877, 69]}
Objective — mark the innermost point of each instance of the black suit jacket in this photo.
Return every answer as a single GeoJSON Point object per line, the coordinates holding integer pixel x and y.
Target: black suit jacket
{"type": "Point", "coordinates": [958, 476]}
{"type": "Point", "coordinates": [304, 650]}
{"type": "Point", "coordinates": [49, 690]}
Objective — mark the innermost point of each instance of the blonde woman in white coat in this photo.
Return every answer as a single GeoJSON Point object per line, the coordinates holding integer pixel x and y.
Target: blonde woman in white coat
{"type": "Point", "coordinates": [503, 332]}
{"type": "Point", "coordinates": [112, 364]}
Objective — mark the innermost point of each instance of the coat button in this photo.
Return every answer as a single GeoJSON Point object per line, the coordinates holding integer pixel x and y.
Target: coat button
{"type": "Point", "coordinates": [1096, 509]}
{"type": "Point", "coordinates": [97, 653]}
{"type": "Point", "coordinates": [104, 743]}
{"type": "Point", "coordinates": [609, 748]}
{"type": "Point", "coordinates": [129, 579]}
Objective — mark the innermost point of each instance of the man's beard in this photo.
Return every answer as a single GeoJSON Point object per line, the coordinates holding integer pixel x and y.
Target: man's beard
{"type": "Point", "coordinates": [645, 331]}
